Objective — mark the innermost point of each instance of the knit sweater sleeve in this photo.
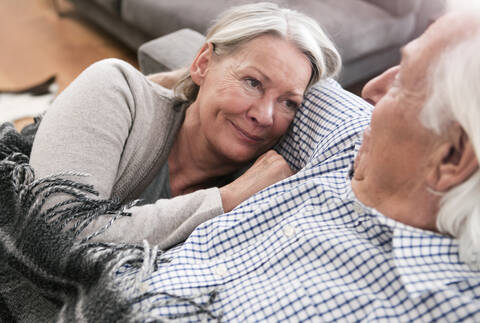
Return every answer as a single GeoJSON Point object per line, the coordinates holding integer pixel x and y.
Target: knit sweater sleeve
{"type": "Point", "coordinates": [116, 126]}
{"type": "Point", "coordinates": [164, 223]}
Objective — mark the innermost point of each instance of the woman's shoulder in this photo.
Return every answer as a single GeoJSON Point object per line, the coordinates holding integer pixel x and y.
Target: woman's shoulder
{"type": "Point", "coordinates": [109, 66]}
{"type": "Point", "coordinates": [113, 72]}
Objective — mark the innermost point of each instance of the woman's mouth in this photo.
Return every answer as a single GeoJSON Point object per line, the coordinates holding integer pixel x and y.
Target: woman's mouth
{"type": "Point", "coordinates": [246, 136]}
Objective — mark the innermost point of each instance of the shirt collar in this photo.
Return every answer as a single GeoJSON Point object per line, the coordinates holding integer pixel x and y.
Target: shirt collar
{"type": "Point", "coordinates": [425, 260]}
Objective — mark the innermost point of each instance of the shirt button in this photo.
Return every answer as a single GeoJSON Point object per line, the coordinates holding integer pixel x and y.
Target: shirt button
{"type": "Point", "coordinates": [289, 231]}
{"type": "Point", "coordinates": [144, 287]}
{"type": "Point", "coordinates": [357, 208]}
{"type": "Point", "coordinates": [221, 270]}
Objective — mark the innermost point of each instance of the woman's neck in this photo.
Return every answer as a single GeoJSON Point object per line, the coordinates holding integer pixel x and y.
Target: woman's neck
{"type": "Point", "coordinates": [192, 162]}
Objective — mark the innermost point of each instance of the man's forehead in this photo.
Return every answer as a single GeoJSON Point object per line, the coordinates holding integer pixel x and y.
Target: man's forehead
{"type": "Point", "coordinates": [454, 27]}
{"type": "Point", "coordinates": [418, 55]}
{"type": "Point", "coordinates": [446, 31]}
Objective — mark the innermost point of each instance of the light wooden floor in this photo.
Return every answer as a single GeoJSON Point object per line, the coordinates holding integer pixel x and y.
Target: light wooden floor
{"type": "Point", "coordinates": [36, 43]}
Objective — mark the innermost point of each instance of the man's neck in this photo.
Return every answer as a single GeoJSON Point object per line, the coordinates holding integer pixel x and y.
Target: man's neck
{"type": "Point", "coordinates": [416, 207]}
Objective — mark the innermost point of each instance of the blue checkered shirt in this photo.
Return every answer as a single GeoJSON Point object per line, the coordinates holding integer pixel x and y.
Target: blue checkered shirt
{"type": "Point", "coordinates": [305, 249]}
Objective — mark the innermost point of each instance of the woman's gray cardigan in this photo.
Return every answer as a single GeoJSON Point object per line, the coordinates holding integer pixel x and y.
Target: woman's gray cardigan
{"type": "Point", "coordinates": [117, 126]}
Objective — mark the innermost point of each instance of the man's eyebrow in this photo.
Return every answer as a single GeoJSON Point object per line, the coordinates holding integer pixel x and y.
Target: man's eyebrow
{"type": "Point", "coordinates": [404, 53]}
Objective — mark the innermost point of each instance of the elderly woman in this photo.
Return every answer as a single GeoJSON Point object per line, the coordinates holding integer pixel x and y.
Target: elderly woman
{"type": "Point", "coordinates": [178, 151]}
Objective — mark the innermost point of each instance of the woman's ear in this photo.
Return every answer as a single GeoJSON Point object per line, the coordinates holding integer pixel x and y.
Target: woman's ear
{"type": "Point", "coordinates": [199, 67]}
{"type": "Point", "coordinates": [457, 163]}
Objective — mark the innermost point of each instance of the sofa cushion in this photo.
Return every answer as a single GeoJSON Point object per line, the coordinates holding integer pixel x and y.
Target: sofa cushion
{"type": "Point", "coordinates": [112, 6]}
{"type": "Point", "coordinates": [397, 8]}
{"type": "Point", "coordinates": [162, 17]}
{"type": "Point", "coordinates": [358, 28]}
{"type": "Point", "coordinates": [157, 55]}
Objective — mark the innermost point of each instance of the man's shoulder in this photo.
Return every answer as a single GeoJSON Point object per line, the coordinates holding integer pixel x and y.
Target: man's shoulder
{"type": "Point", "coordinates": [329, 100]}
{"type": "Point", "coordinates": [330, 118]}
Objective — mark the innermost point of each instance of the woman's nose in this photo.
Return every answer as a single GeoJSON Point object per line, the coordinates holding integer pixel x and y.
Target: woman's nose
{"type": "Point", "coordinates": [261, 112]}
{"type": "Point", "coordinates": [377, 87]}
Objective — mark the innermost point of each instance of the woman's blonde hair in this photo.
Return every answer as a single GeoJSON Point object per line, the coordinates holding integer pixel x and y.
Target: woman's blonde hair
{"type": "Point", "coordinates": [241, 24]}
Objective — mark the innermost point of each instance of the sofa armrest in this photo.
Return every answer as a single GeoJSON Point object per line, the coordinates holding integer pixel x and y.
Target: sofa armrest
{"type": "Point", "coordinates": [397, 8]}
{"type": "Point", "coordinates": [169, 52]}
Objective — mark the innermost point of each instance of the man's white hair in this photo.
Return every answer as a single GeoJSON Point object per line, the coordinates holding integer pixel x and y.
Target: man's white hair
{"type": "Point", "coordinates": [455, 98]}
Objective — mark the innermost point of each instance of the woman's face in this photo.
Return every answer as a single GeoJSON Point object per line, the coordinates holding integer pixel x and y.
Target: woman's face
{"type": "Point", "coordinates": [248, 99]}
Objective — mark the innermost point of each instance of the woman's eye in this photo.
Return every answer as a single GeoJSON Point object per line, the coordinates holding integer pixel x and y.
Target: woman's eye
{"type": "Point", "coordinates": [291, 105]}
{"type": "Point", "coordinates": [253, 82]}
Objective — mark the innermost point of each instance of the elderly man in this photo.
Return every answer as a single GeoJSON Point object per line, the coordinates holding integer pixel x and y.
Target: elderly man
{"type": "Point", "coordinates": [418, 163]}
{"type": "Point", "coordinates": [341, 243]}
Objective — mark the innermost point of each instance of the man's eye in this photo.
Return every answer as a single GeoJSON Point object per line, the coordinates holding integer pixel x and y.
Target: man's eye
{"type": "Point", "coordinates": [396, 81]}
{"type": "Point", "coordinates": [253, 82]}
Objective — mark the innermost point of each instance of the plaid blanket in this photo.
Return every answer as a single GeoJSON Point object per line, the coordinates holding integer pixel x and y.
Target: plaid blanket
{"type": "Point", "coordinates": [47, 273]}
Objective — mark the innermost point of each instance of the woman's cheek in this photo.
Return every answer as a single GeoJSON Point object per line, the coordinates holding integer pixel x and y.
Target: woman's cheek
{"type": "Point", "coordinates": [240, 102]}
{"type": "Point", "coordinates": [283, 120]}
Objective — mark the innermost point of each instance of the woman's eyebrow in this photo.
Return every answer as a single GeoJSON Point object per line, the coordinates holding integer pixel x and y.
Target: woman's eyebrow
{"type": "Point", "coordinates": [265, 76]}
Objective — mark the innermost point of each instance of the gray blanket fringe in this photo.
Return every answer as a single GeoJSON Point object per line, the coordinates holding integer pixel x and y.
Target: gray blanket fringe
{"type": "Point", "coordinates": [46, 274]}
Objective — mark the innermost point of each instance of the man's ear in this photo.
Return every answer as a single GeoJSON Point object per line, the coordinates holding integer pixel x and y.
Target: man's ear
{"type": "Point", "coordinates": [199, 67]}
{"type": "Point", "coordinates": [457, 163]}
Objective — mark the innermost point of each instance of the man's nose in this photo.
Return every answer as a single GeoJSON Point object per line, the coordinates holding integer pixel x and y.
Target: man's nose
{"type": "Point", "coordinates": [377, 87]}
{"type": "Point", "coordinates": [261, 112]}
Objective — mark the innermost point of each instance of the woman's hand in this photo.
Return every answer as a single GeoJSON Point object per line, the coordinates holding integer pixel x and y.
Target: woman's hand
{"type": "Point", "coordinates": [269, 168]}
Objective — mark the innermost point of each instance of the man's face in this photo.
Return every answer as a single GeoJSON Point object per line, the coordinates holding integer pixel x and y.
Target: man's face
{"type": "Point", "coordinates": [395, 157]}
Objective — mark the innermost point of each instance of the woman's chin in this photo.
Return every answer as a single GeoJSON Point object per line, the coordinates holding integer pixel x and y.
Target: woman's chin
{"type": "Point", "coordinates": [241, 156]}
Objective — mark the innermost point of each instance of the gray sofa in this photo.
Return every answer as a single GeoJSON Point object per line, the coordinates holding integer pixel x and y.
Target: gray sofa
{"type": "Point", "coordinates": [368, 33]}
